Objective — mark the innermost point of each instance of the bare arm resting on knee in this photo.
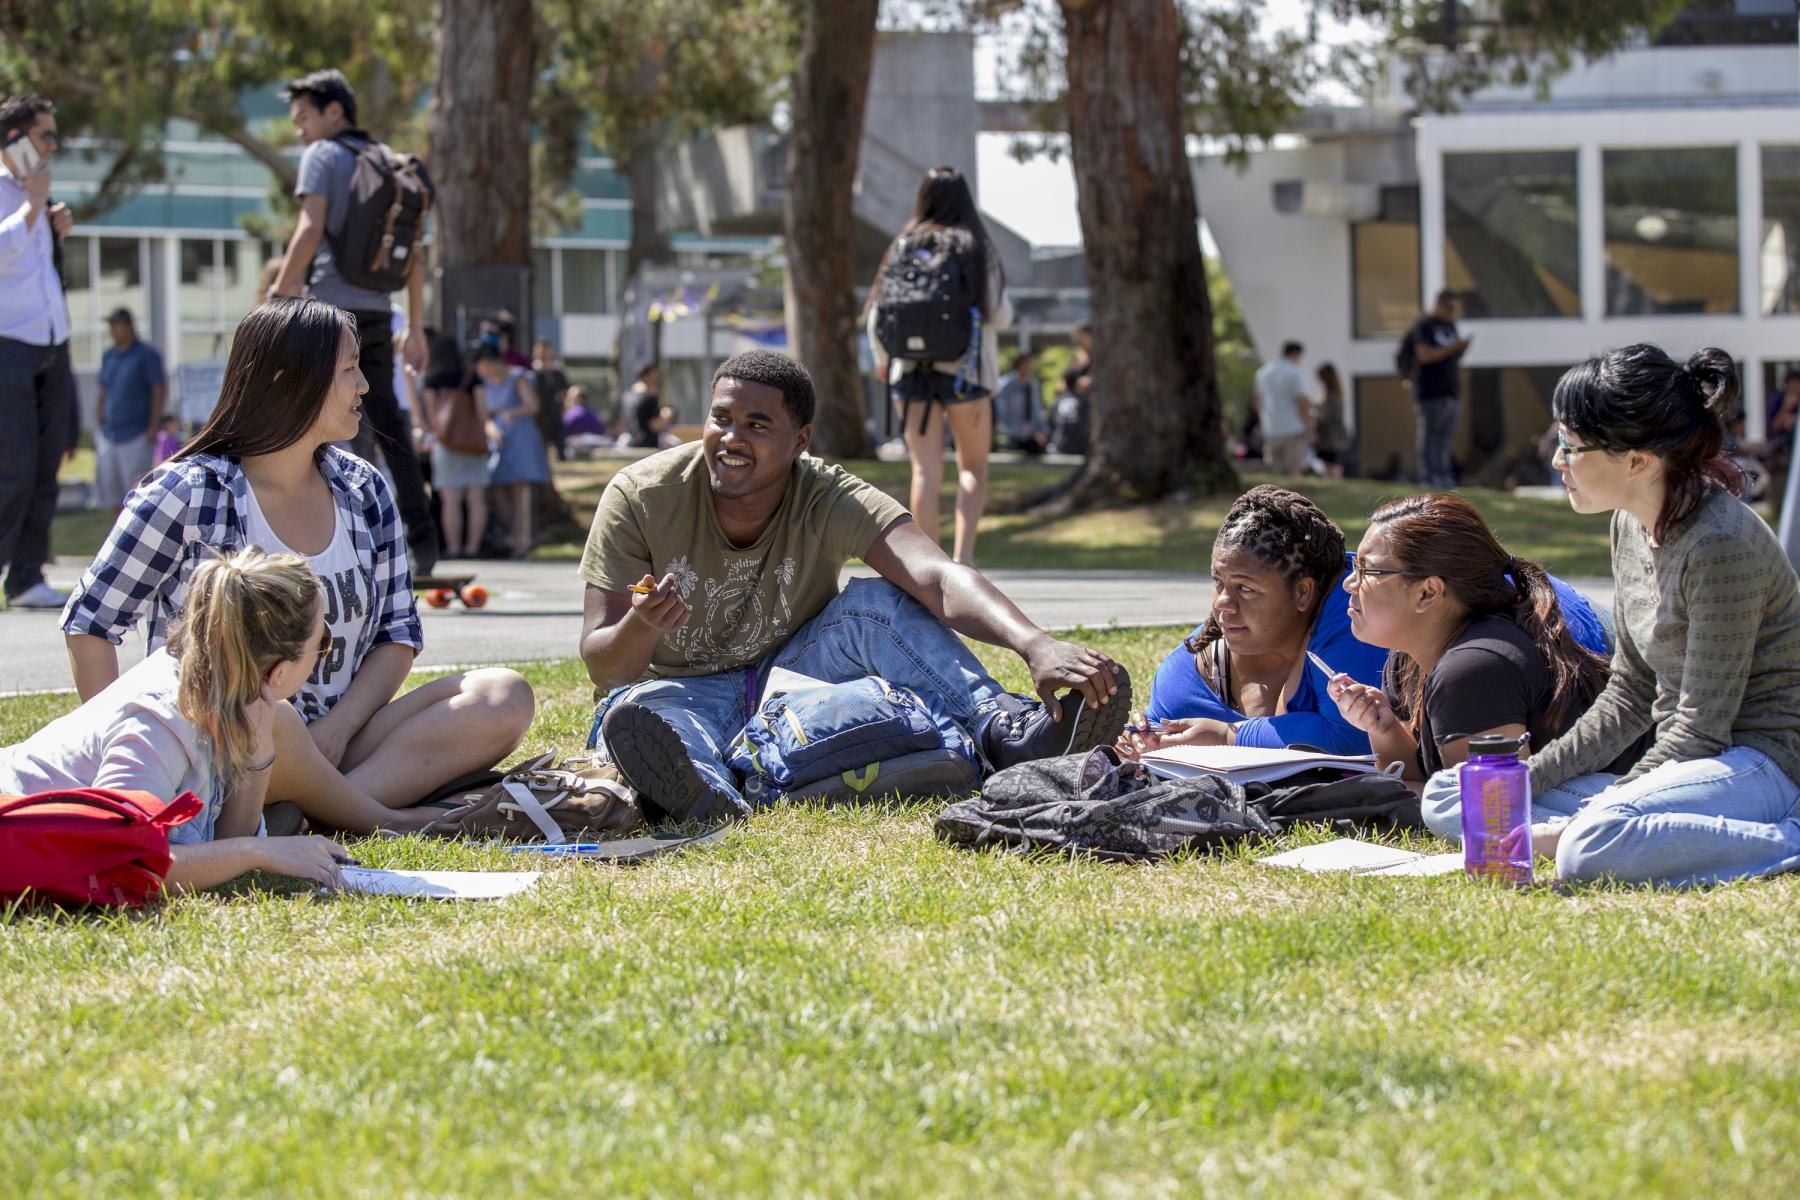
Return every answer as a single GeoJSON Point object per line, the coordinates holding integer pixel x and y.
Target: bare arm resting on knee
{"type": "Point", "coordinates": [967, 601]}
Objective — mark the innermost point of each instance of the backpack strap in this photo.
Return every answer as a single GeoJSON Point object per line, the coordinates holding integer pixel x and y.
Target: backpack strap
{"type": "Point", "coordinates": [523, 801]}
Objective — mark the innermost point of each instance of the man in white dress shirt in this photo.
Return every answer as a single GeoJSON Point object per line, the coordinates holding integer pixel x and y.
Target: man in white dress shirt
{"type": "Point", "coordinates": [37, 387]}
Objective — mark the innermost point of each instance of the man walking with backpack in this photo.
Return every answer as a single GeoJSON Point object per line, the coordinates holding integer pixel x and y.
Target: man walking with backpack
{"type": "Point", "coordinates": [360, 238]}
{"type": "Point", "coordinates": [1429, 356]}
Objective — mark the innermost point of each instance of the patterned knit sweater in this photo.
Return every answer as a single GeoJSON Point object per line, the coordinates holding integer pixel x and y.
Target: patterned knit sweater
{"type": "Point", "coordinates": [1708, 648]}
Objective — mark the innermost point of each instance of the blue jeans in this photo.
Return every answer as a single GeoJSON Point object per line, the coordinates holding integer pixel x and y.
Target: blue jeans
{"type": "Point", "coordinates": [1704, 821]}
{"type": "Point", "coordinates": [1441, 803]}
{"type": "Point", "coordinates": [1437, 430]}
{"type": "Point", "coordinates": [870, 628]}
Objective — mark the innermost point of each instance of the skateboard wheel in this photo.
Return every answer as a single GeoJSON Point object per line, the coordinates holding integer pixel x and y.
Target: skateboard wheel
{"type": "Point", "coordinates": [474, 596]}
{"type": "Point", "coordinates": [439, 597]}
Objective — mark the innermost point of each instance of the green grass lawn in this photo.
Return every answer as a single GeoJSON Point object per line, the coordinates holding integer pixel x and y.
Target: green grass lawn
{"type": "Point", "coordinates": [834, 1003]}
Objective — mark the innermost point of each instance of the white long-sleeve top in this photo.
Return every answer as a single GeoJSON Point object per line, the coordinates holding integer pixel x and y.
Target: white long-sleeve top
{"type": "Point", "coordinates": [32, 307]}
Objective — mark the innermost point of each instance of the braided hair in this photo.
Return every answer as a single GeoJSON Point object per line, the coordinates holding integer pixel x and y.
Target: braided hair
{"type": "Point", "coordinates": [1285, 532]}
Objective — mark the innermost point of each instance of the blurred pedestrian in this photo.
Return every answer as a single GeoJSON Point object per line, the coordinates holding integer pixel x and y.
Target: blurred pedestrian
{"type": "Point", "coordinates": [1432, 353]}
{"type": "Point", "coordinates": [1285, 411]}
{"type": "Point", "coordinates": [1331, 434]}
{"type": "Point", "coordinates": [642, 409]}
{"type": "Point", "coordinates": [518, 460]}
{"type": "Point", "coordinates": [1019, 417]}
{"type": "Point", "coordinates": [37, 386]}
{"type": "Point", "coordinates": [127, 411]}
{"type": "Point", "coordinates": [459, 452]}
{"type": "Point", "coordinates": [551, 384]}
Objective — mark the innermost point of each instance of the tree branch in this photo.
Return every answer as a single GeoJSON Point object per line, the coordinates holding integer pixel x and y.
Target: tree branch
{"type": "Point", "coordinates": [283, 169]}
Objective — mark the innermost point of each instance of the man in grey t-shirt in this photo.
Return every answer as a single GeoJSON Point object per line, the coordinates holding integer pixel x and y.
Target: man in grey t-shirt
{"type": "Point", "coordinates": [323, 109]}
{"type": "Point", "coordinates": [1285, 411]}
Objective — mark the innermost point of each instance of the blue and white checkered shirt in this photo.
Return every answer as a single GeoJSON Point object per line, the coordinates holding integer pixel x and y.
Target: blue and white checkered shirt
{"type": "Point", "coordinates": [189, 506]}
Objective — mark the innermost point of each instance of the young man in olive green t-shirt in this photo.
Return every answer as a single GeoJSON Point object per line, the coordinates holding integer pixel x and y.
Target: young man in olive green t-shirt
{"type": "Point", "coordinates": [712, 564]}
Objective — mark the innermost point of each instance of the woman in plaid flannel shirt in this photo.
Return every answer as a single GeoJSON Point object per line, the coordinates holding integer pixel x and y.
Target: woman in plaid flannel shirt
{"type": "Point", "coordinates": [264, 469]}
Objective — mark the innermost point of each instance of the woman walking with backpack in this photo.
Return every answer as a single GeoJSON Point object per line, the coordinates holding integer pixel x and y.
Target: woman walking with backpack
{"type": "Point", "coordinates": [941, 291]}
{"type": "Point", "coordinates": [459, 453]}
{"type": "Point", "coordinates": [265, 472]}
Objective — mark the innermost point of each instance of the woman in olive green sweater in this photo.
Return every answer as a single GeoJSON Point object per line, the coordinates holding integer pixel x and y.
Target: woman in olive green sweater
{"type": "Point", "coordinates": [1708, 653]}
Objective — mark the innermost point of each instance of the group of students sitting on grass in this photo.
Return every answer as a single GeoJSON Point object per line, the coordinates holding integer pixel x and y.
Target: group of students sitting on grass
{"type": "Point", "coordinates": [271, 570]}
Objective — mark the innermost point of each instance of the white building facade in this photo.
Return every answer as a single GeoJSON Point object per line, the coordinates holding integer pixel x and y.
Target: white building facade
{"type": "Point", "coordinates": [1653, 196]}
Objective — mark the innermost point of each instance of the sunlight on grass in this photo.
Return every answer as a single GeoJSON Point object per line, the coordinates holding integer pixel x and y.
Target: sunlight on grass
{"type": "Point", "coordinates": [833, 1002]}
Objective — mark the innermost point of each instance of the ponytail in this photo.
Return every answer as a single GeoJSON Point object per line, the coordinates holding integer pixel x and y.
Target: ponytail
{"type": "Point", "coordinates": [244, 613]}
{"type": "Point", "coordinates": [1576, 673]}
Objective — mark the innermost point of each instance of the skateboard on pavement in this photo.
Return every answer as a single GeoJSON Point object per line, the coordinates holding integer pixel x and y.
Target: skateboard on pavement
{"type": "Point", "coordinates": [440, 590]}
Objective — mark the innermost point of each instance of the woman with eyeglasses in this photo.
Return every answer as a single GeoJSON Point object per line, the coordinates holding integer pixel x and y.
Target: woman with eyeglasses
{"type": "Point", "coordinates": [199, 715]}
{"type": "Point", "coordinates": [1708, 618]}
{"type": "Point", "coordinates": [265, 471]}
{"type": "Point", "coordinates": [1244, 676]}
{"type": "Point", "coordinates": [1482, 642]}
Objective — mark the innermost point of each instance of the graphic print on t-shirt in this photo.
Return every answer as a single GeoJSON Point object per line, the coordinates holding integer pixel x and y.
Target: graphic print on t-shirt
{"type": "Point", "coordinates": [349, 598]}
{"type": "Point", "coordinates": [732, 620]}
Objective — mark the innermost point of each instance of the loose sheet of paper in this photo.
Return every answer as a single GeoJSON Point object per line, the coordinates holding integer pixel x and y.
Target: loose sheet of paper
{"type": "Point", "coordinates": [439, 885]}
{"type": "Point", "coordinates": [1428, 864]}
{"type": "Point", "coordinates": [1345, 854]}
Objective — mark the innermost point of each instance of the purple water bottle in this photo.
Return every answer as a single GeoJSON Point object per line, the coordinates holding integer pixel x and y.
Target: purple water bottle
{"type": "Point", "coordinates": [1496, 810]}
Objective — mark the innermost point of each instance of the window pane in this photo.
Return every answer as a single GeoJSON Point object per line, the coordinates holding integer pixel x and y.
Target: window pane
{"type": "Point", "coordinates": [1781, 229]}
{"type": "Point", "coordinates": [242, 269]}
{"type": "Point", "coordinates": [543, 304]}
{"type": "Point", "coordinates": [78, 287]}
{"type": "Point", "coordinates": [1500, 426]}
{"type": "Point", "coordinates": [205, 346]}
{"type": "Point", "coordinates": [195, 300]}
{"type": "Point", "coordinates": [1511, 246]}
{"type": "Point", "coordinates": [584, 282]}
{"type": "Point", "coordinates": [1385, 255]}
{"type": "Point", "coordinates": [1671, 231]}
{"type": "Point", "coordinates": [122, 279]}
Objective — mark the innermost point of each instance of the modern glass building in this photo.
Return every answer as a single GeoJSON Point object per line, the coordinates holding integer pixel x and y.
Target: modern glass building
{"type": "Point", "coordinates": [1652, 196]}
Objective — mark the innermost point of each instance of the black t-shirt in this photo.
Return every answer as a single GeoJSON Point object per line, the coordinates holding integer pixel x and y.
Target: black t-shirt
{"type": "Point", "coordinates": [644, 408]}
{"type": "Point", "coordinates": [1490, 676]}
{"type": "Point", "coordinates": [1433, 381]}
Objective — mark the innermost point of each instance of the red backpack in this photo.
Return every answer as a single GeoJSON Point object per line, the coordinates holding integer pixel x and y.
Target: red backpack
{"type": "Point", "coordinates": [88, 845]}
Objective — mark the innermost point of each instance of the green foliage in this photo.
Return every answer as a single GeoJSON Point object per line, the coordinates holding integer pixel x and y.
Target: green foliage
{"type": "Point", "coordinates": [1247, 79]}
{"type": "Point", "coordinates": [122, 70]}
{"type": "Point", "coordinates": [1234, 354]}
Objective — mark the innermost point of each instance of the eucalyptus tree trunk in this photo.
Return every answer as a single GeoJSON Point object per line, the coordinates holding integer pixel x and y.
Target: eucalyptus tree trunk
{"type": "Point", "coordinates": [831, 91]}
{"type": "Point", "coordinates": [1156, 415]}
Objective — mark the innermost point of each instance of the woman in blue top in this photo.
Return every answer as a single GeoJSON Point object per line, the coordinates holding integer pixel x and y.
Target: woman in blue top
{"type": "Point", "coordinates": [1244, 677]}
{"type": "Point", "coordinates": [519, 459]}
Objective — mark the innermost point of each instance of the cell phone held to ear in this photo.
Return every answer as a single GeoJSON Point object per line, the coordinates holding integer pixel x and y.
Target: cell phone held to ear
{"type": "Point", "coordinates": [21, 154]}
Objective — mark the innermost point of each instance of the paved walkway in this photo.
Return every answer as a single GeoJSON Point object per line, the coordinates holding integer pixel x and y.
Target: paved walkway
{"type": "Point", "coordinates": [534, 612]}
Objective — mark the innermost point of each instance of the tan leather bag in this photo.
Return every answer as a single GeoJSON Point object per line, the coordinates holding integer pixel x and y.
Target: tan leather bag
{"type": "Point", "coordinates": [582, 800]}
{"type": "Point", "coordinates": [456, 419]}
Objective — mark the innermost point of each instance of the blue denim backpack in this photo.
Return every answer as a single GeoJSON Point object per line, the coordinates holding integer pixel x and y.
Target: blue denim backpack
{"type": "Point", "coordinates": [841, 729]}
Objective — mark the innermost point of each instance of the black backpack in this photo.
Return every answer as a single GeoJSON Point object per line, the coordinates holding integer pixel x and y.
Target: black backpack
{"type": "Point", "coordinates": [1406, 356]}
{"type": "Point", "coordinates": [928, 298]}
{"type": "Point", "coordinates": [1092, 804]}
{"type": "Point", "coordinates": [384, 226]}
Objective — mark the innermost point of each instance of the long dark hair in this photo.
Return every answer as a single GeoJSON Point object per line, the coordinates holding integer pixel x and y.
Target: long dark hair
{"type": "Point", "coordinates": [945, 210]}
{"type": "Point", "coordinates": [1286, 532]}
{"type": "Point", "coordinates": [283, 359]}
{"type": "Point", "coordinates": [1638, 398]}
{"type": "Point", "coordinates": [446, 356]}
{"type": "Point", "coordinates": [1443, 535]}
{"type": "Point", "coordinates": [1331, 381]}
